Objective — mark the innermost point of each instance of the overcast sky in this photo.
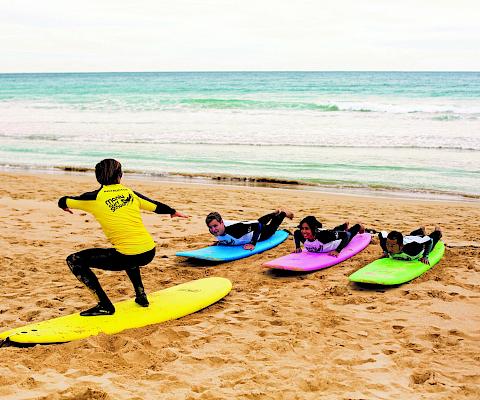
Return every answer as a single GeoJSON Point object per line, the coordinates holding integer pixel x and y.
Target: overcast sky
{"type": "Point", "coordinates": [216, 35]}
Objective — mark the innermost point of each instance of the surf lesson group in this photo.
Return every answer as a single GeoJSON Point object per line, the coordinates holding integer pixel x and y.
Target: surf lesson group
{"type": "Point", "coordinates": [117, 209]}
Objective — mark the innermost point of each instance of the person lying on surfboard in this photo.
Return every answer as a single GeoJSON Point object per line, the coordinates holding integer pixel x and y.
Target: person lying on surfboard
{"type": "Point", "coordinates": [318, 240]}
{"type": "Point", "coordinates": [117, 209]}
{"type": "Point", "coordinates": [415, 246]}
{"type": "Point", "coordinates": [245, 233]}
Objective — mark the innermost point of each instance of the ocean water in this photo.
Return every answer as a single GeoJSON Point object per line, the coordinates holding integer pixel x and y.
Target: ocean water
{"type": "Point", "coordinates": [405, 131]}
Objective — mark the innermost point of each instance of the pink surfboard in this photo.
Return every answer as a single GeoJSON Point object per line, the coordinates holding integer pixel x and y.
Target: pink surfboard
{"type": "Point", "coordinates": [306, 261]}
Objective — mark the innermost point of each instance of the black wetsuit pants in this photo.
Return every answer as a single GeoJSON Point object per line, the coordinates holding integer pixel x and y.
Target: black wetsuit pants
{"type": "Point", "coordinates": [270, 224]}
{"type": "Point", "coordinates": [435, 236]}
{"type": "Point", "coordinates": [111, 260]}
{"type": "Point", "coordinates": [351, 232]}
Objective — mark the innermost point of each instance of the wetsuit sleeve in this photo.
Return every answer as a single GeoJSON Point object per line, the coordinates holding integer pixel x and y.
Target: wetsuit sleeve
{"type": "Point", "coordinates": [383, 241]}
{"type": "Point", "coordinates": [428, 247]}
{"type": "Point", "coordinates": [344, 237]}
{"type": "Point", "coordinates": [85, 201]}
{"type": "Point", "coordinates": [415, 248]}
{"type": "Point", "coordinates": [256, 227]}
{"type": "Point", "coordinates": [152, 205]}
{"type": "Point", "coordinates": [240, 229]}
{"type": "Point", "coordinates": [298, 237]}
{"type": "Point", "coordinates": [327, 236]}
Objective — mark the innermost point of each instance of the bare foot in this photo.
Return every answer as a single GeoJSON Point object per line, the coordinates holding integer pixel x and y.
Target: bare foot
{"type": "Point", "coordinates": [422, 228]}
{"type": "Point", "coordinates": [362, 229]}
{"type": "Point", "coordinates": [288, 213]}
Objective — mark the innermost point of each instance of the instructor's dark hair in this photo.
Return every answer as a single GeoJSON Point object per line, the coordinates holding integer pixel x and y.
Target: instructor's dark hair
{"type": "Point", "coordinates": [395, 235]}
{"type": "Point", "coordinates": [312, 222]}
{"type": "Point", "coordinates": [213, 216]}
{"type": "Point", "coordinates": [108, 171]}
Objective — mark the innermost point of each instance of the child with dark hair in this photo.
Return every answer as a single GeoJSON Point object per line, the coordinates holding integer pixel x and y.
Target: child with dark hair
{"type": "Point", "coordinates": [117, 209]}
{"type": "Point", "coordinates": [245, 233]}
{"type": "Point", "coordinates": [415, 246]}
{"type": "Point", "coordinates": [318, 240]}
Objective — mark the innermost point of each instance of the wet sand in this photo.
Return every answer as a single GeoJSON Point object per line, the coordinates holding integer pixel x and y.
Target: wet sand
{"type": "Point", "coordinates": [277, 335]}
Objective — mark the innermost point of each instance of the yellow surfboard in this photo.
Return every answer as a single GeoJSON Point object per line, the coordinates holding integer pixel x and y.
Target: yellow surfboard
{"type": "Point", "coordinates": [167, 304]}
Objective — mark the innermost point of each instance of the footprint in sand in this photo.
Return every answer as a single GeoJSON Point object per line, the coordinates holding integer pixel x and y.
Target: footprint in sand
{"type": "Point", "coordinates": [398, 328]}
{"type": "Point", "coordinates": [415, 347]}
{"type": "Point", "coordinates": [442, 315]}
{"type": "Point", "coordinates": [388, 352]}
{"type": "Point", "coordinates": [420, 377]}
{"type": "Point", "coordinates": [29, 383]}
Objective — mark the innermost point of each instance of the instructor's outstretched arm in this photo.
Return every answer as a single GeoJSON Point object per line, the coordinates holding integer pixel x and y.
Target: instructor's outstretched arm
{"type": "Point", "coordinates": [179, 215]}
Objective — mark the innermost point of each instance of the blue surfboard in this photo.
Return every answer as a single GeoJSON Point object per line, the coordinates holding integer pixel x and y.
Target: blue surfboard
{"type": "Point", "coordinates": [230, 253]}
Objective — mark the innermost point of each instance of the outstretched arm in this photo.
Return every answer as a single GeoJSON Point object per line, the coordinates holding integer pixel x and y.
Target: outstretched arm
{"type": "Point", "coordinates": [158, 207]}
{"type": "Point", "coordinates": [179, 215]}
{"type": "Point", "coordinates": [85, 202]}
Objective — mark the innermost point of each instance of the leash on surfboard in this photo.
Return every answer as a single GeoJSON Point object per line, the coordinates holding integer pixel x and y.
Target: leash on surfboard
{"type": "Point", "coordinates": [8, 343]}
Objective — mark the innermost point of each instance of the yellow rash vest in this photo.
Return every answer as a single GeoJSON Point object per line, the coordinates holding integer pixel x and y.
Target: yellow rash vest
{"type": "Point", "coordinates": [117, 209]}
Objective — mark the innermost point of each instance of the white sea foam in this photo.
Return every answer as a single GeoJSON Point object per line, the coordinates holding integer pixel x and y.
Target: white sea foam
{"type": "Point", "coordinates": [349, 135]}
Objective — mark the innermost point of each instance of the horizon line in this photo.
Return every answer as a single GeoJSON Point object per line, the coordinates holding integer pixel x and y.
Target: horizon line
{"type": "Point", "coordinates": [231, 71]}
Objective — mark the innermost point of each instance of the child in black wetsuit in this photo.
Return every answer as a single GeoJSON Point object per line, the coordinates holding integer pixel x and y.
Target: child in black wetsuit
{"type": "Point", "coordinates": [245, 233]}
{"type": "Point", "coordinates": [318, 240]}
{"type": "Point", "coordinates": [415, 246]}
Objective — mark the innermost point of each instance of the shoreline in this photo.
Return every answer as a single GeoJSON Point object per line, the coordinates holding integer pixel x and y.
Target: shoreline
{"type": "Point", "coordinates": [260, 182]}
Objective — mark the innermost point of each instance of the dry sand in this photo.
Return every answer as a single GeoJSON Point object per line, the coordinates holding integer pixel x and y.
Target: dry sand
{"type": "Point", "coordinates": [275, 336]}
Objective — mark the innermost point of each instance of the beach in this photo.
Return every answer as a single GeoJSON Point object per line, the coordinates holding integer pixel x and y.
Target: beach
{"type": "Point", "coordinates": [277, 335]}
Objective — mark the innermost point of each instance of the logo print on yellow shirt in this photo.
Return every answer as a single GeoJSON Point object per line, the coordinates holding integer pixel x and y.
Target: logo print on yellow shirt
{"type": "Point", "coordinates": [118, 202]}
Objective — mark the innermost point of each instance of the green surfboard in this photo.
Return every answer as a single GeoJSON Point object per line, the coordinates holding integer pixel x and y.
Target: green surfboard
{"type": "Point", "coordinates": [388, 271]}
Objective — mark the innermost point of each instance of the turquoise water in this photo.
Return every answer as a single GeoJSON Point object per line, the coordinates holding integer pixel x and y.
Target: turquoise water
{"type": "Point", "coordinates": [408, 131]}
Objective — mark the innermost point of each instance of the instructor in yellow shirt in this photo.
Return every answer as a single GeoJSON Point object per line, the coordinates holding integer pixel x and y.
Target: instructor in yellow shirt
{"type": "Point", "coordinates": [117, 209]}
